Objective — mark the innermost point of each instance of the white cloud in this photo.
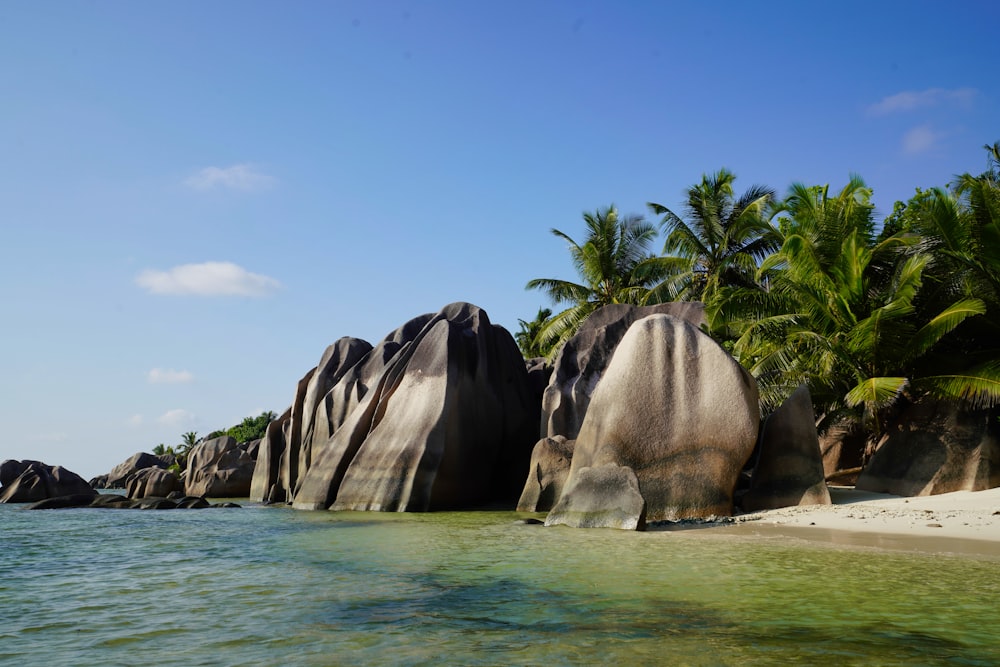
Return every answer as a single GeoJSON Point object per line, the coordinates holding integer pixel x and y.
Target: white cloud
{"type": "Point", "coordinates": [135, 420]}
{"type": "Point", "coordinates": [207, 279]}
{"type": "Point", "coordinates": [244, 177]}
{"type": "Point", "coordinates": [168, 376]}
{"type": "Point", "coordinates": [920, 140]}
{"type": "Point", "coordinates": [176, 417]}
{"type": "Point", "coordinates": [908, 100]}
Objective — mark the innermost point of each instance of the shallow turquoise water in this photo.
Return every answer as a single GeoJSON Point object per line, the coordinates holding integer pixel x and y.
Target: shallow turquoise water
{"type": "Point", "coordinates": [272, 586]}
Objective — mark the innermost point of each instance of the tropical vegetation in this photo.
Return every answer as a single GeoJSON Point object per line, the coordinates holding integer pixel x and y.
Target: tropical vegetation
{"type": "Point", "coordinates": [812, 289]}
{"type": "Point", "coordinates": [615, 265]}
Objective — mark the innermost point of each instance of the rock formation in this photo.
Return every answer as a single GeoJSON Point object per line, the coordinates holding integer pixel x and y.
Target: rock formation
{"type": "Point", "coordinates": [789, 468]}
{"type": "Point", "coordinates": [139, 461]}
{"type": "Point", "coordinates": [219, 468]}
{"type": "Point", "coordinates": [607, 496]}
{"type": "Point", "coordinates": [438, 415]}
{"type": "Point", "coordinates": [447, 424]}
{"type": "Point", "coordinates": [31, 481]}
{"type": "Point", "coordinates": [152, 482]}
{"type": "Point", "coordinates": [585, 357]}
{"type": "Point", "coordinates": [266, 485]}
{"type": "Point", "coordinates": [677, 410]}
{"type": "Point", "coordinates": [935, 446]}
{"type": "Point", "coordinates": [549, 468]}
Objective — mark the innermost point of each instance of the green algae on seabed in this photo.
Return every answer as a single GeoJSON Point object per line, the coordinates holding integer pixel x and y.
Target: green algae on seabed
{"type": "Point", "coordinates": [271, 586]}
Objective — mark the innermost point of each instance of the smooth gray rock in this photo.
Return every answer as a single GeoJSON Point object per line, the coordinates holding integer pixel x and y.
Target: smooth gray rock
{"type": "Point", "coordinates": [603, 497]}
{"type": "Point", "coordinates": [219, 468]}
{"type": "Point", "coordinates": [583, 360]}
{"type": "Point", "coordinates": [549, 468]}
{"type": "Point", "coordinates": [115, 479]}
{"type": "Point", "coordinates": [789, 469]}
{"type": "Point", "coordinates": [152, 482]}
{"type": "Point", "coordinates": [680, 412]}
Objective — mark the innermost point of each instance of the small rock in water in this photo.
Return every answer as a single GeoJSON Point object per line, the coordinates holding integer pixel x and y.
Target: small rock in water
{"type": "Point", "coordinates": [530, 522]}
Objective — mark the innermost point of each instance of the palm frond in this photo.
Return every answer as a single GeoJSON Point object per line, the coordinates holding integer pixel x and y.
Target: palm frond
{"type": "Point", "coordinates": [979, 385]}
{"type": "Point", "coordinates": [876, 393]}
{"type": "Point", "coordinates": [943, 323]}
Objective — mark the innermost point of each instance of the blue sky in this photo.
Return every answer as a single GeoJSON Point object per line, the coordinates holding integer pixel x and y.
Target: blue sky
{"type": "Point", "coordinates": [196, 198]}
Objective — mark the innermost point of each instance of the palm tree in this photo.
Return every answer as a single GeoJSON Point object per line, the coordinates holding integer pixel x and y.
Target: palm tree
{"type": "Point", "coordinates": [721, 242]}
{"type": "Point", "coordinates": [615, 265]}
{"type": "Point", "coordinates": [843, 312]}
{"type": "Point", "coordinates": [960, 231]}
{"type": "Point", "coordinates": [527, 335]}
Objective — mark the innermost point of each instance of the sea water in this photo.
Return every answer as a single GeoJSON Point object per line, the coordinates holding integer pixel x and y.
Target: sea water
{"type": "Point", "coordinates": [274, 586]}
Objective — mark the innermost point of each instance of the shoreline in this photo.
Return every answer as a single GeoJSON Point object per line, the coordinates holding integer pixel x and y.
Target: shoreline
{"type": "Point", "coordinates": [960, 522]}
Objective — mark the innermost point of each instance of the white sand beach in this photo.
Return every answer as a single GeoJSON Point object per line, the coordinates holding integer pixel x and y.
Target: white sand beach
{"type": "Point", "coordinates": [959, 522]}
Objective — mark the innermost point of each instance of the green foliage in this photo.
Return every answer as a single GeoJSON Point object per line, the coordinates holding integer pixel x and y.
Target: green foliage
{"type": "Point", "coordinates": [251, 428]}
{"type": "Point", "coordinates": [527, 335]}
{"type": "Point", "coordinates": [863, 318]}
{"type": "Point", "coordinates": [718, 244]}
{"type": "Point", "coordinates": [615, 266]}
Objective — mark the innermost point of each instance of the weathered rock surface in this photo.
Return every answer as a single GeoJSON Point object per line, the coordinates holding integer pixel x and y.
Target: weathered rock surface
{"type": "Point", "coordinates": [789, 469]}
{"type": "Point", "coordinates": [607, 496]}
{"type": "Point", "coordinates": [585, 357]}
{"type": "Point", "coordinates": [152, 482]}
{"type": "Point", "coordinates": [549, 468]}
{"type": "Point", "coordinates": [219, 468]}
{"type": "Point", "coordinates": [138, 461]}
{"type": "Point", "coordinates": [36, 481]}
{"type": "Point", "coordinates": [439, 415]}
{"type": "Point", "coordinates": [679, 411]}
{"type": "Point", "coordinates": [934, 447]}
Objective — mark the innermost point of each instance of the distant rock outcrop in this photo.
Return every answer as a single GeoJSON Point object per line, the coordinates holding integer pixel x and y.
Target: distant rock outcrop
{"type": "Point", "coordinates": [676, 409]}
{"type": "Point", "coordinates": [31, 481]}
{"type": "Point", "coordinates": [789, 469]}
{"type": "Point", "coordinates": [152, 482]}
{"type": "Point", "coordinates": [219, 468]}
{"type": "Point", "coordinates": [138, 461]}
{"type": "Point", "coordinates": [936, 446]}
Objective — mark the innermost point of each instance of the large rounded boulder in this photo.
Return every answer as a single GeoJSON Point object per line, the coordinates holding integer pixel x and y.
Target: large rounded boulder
{"type": "Point", "coordinates": [676, 409]}
{"type": "Point", "coordinates": [149, 482]}
{"type": "Point", "coordinates": [219, 468]}
{"type": "Point", "coordinates": [584, 359]}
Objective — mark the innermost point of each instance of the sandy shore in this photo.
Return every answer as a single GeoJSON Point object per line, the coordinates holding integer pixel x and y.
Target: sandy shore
{"type": "Point", "coordinates": [961, 522]}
